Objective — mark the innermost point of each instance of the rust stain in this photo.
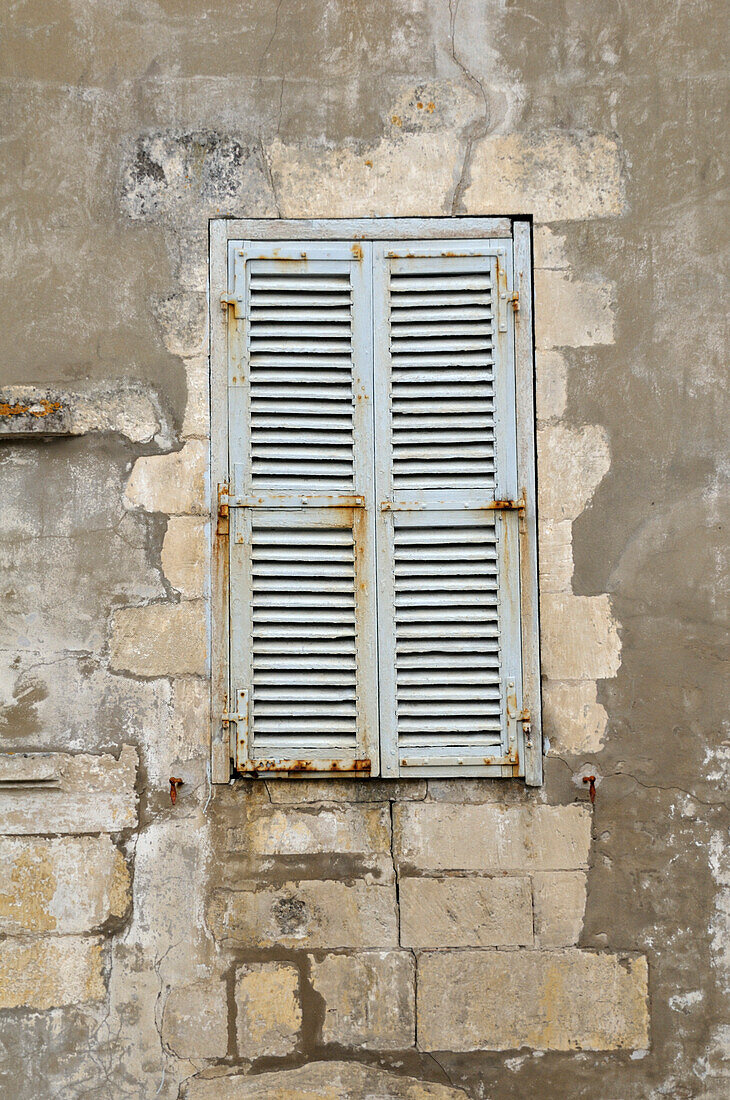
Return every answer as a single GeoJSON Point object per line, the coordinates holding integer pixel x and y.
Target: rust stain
{"type": "Point", "coordinates": [174, 784]}
{"type": "Point", "coordinates": [357, 250]}
{"type": "Point", "coordinates": [591, 781]}
{"type": "Point", "coordinates": [45, 409]}
{"type": "Point", "coordinates": [396, 120]}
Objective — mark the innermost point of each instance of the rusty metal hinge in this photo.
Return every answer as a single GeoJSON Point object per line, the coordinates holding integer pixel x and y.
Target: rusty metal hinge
{"type": "Point", "coordinates": [514, 298]}
{"type": "Point", "coordinates": [239, 717]}
{"type": "Point", "coordinates": [231, 301]}
{"type": "Point", "coordinates": [222, 517]}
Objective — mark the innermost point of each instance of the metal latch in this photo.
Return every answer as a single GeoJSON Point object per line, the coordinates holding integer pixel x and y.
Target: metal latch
{"type": "Point", "coordinates": [240, 717]}
{"type": "Point", "coordinates": [230, 301]}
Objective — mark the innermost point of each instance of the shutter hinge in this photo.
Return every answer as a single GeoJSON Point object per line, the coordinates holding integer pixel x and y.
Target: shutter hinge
{"type": "Point", "coordinates": [514, 298]}
{"type": "Point", "coordinates": [515, 714]}
{"type": "Point", "coordinates": [231, 301]}
{"type": "Point", "coordinates": [222, 518]}
{"type": "Point", "coordinates": [240, 717]}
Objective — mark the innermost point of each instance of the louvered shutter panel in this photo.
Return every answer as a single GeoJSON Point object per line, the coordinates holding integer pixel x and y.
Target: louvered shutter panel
{"type": "Point", "coordinates": [302, 621]}
{"type": "Point", "coordinates": [448, 570]}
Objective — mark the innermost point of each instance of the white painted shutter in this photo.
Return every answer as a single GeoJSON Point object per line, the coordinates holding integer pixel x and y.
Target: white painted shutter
{"type": "Point", "coordinates": [302, 621]}
{"type": "Point", "coordinates": [448, 571]}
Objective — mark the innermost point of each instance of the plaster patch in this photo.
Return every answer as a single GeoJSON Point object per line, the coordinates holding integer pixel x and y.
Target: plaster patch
{"type": "Point", "coordinates": [412, 174]}
{"type": "Point", "coordinates": [553, 175]}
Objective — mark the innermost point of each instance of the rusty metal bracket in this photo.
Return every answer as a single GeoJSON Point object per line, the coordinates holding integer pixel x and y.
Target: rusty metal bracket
{"type": "Point", "coordinates": [230, 301]}
{"type": "Point", "coordinates": [222, 516]}
{"type": "Point", "coordinates": [240, 717]}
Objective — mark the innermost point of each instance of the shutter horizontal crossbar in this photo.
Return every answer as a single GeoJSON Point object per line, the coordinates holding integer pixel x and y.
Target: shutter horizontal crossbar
{"type": "Point", "coordinates": [440, 505]}
{"type": "Point", "coordinates": [293, 500]}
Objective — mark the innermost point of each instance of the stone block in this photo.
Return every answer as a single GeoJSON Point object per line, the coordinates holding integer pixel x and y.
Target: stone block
{"type": "Point", "coordinates": [123, 407]}
{"type": "Point", "coordinates": [172, 483]}
{"type": "Point", "coordinates": [466, 912]}
{"type": "Point", "coordinates": [549, 248]}
{"type": "Point", "coordinates": [556, 556]}
{"type": "Point", "coordinates": [369, 999]}
{"type": "Point", "coordinates": [559, 900]}
{"type": "Point", "coordinates": [401, 175]}
{"type": "Point", "coordinates": [570, 313]}
{"type": "Point", "coordinates": [196, 423]}
{"type": "Point", "coordinates": [183, 319]}
{"type": "Point", "coordinates": [355, 830]}
{"type": "Point", "coordinates": [185, 555]}
{"type": "Point", "coordinates": [578, 637]}
{"type": "Point", "coordinates": [543, 1000]}
{"type": "Point", "coordinates": [571, 462]}
{"type": "Point", "coordinates": [195, 1019]}
{"type": "Point", "coordinates": [490, 837]}
{"type": "Point", "coordinates": [160, 639]}
{"type": "Point", "coordinates": [551, 384]}
{"type": "Point", "coordinates": [553, 174]}
{"type": "Point", "coordinates": [268, 1009]}
{"type": "Point", "coordinates": [573, 719]}
{"type": "Point", "coordinates": [68, 885]}
{"type": "Point", "coordinates": [50, 972]}
{"type": "Point", "coordinates": [319, 1081]}
{"type": "Point", "coordinates": [93, 794]}
{"type": "Point", "coordinates": [309, 914]}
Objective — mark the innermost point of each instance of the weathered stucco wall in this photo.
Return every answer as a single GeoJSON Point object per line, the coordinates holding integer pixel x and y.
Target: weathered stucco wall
{"type": "Point", "coordinates": [336, 939]}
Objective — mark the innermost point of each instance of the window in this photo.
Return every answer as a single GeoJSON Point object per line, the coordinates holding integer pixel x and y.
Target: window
{"type": "Point", "coordinates": [375, 592]}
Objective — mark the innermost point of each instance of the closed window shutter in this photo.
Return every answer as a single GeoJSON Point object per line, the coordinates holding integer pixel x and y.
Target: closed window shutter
{"type": "Point", "coordinates": [302, 560]}
{"type": "Point", "coordinates": [448, 567]}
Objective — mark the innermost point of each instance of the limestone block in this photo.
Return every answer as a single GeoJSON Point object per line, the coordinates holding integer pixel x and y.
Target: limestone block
{"type": "Point", "coordinates": [185, 554]}
{"type": "Point", "coordinates": [556, 556]}
{"type": "Point", "coordinates": [195, 1020]}
{"type": "Point", "coordinates": [160, 639]}
{"type": "Point", "coordinates": [93, 794]}
{"type": "Point", "coordinates": [69, 884]}
{"type": "Point", "coordinates": [183, 319]}
{"type": "Point", "coordinates": [544, 1000]}
{"type": "Point", "coordinates": [196, 423]}
{"type": "Point", "coordinates": [369, 999]}
{"type": "Point", "coordinates": [578, 637]}
{"type": "Point", "coordinates": [571, 314]}
{"type": "Point", "coordinates": [407, 174]}
{"type": "Point", "coordinates": [571, 463]}
{"type": "Point", "coordinates": [269, 1013]}
{"type": "Point", "coordinates": [489, 837]}
{"type": "Point", "coordinates": [314, 914]}
{"type": "Point", "coordinates": [560, 902]}
{"type": "Point", "coordinates": [552, 174]}
{"type": "Point", "coordinates": [124, 407]}
{"type": "Point", "coordinates": [173, 483]}
{"type": "Point", "coordinates": [549, 248]}
{"type": "Point", "coordinates": [573, 719]}
{"type": "Point", "coordinates": [284, 792]}
{"type": "Point", "coordinates": [551, 379]}
{"type": "Point", "coordinates": [319, 1081]}
{"type": "Point", "coordinates": [465, 912]}
{"type": "Point", "coordinates": [50, 972]}
{"type": "Point", "coordinates": [269, 831]}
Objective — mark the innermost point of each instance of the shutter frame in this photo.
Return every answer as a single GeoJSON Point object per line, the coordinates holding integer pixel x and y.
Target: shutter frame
{"type": "Point", "coordinates": [451, 510]}
{"type": "Point", "coordinates": [284, 528]}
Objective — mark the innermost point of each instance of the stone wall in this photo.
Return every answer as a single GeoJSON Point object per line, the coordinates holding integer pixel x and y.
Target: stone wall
{"type": "Point", "coordinates": [338, 938]}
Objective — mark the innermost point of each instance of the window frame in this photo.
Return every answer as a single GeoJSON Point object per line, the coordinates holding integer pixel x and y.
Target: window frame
{"type": "Point", "coordinates": [519, 229]}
